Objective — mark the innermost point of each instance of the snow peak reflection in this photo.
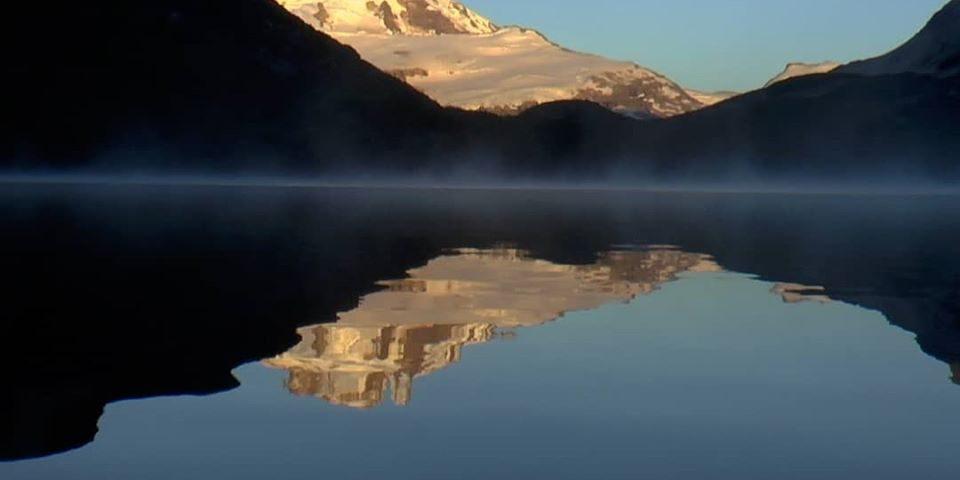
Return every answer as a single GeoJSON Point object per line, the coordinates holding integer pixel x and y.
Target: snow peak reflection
{"type": "Point", "coordinates": [419, 325]}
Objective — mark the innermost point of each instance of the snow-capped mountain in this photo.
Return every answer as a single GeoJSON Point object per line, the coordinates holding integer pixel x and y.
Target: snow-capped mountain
{"type": "Point", "coordinates": [390, 17]}
{"type": "Point", "coordinates": [793, 70]}
{"type": "Point", "coordinates": [462, 59]}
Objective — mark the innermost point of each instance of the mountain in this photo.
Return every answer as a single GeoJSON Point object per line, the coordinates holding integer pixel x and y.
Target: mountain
{"type": "Point", "coordinates": [462, 59]}
{"type": "Point", "coordinates": [390, 17]}
{"type": "Point", "coordinates": [893, 118]}
{"type": "Point", "coordinates": [845, 128]}
{"type": "Point", "coordinates": [933, 51]}
{"type": "Point", "coordinates": [245, 87]}
{"type": "Point", "coordinates": [794, 70]}
{"type": "Point", "coordinates": [711, 98]}
{"type": "Point", "coordinates": [217, 85]}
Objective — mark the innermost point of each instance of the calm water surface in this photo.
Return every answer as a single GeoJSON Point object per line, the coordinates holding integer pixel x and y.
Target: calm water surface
{"type": "Point", "coordinates": [346, 333]}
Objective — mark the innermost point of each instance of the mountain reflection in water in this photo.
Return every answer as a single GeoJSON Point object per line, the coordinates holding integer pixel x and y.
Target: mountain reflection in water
{"type": "Point", "coordinates": [420, 324]}
{"type": "Point", "coordinates": [208, 279]}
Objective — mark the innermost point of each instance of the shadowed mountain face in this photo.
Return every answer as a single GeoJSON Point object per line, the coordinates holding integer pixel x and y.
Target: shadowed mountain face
{"type": "Point", "coordinates": [129, 292]}
{"type": "Point", "coordinates": [850, 126]}
{"type": "Point", "coordinates": [246, 87]}
{"type": "Point", "coordinates": [227, 86]}
{"type": "Point", "coordinates": [933, 51]}
{"type": "Point", "coordinates": [218, 85]}
{"type": "Point", "coordinates": [892, 116]}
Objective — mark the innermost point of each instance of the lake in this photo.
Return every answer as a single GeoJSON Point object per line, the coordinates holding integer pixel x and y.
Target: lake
{"type": "Point", "coordinates": [250, 332]}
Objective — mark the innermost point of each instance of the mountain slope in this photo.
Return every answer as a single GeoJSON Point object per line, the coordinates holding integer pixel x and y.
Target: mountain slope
{"type": "Point", "coordinates": [935, 50]}
{"type": "Point", "coordinates": [794, 70]}
{"type": "Point", "coordinates": [711, 98]}
{"type": "Point", "coordinates": [462, 59]}
{"type": "Point", "coordinates": [839, 127]}
{"type": "Point", "coordinates": [515, 68]}
{"type": "Point", "coordinates": [893, 118]}
{"type": "Point", "coordinates": [245, 87]}
{"type": "Point", "coordinates": [217, 85]}
{"type": "Point", "coordinates": [390, 17]}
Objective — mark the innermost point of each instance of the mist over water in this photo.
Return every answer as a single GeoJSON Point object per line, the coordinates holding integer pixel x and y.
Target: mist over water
{"type": "Point", "coordinates": [472, 179]}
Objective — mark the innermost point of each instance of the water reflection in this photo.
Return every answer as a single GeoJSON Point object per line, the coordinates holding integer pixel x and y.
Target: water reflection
{"type": "Point", "coordinates": [354, 366]}
{"type": "Point", "coordinates": [216, 278]}
{"type": "Point", "coordinates": [420, 324]}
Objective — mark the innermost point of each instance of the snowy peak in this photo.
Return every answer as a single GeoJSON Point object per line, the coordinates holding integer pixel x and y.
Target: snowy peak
{"type": "Point", "coordinates": [514, 69]}
{"type": "Point", "coordinates": [710, 98]}
{"type": "Point", "coordinates": [390, 17]}
{"type": "Point", "coordinates": [462, 59]}
{"type": "Point", "coordinates": [802, 69]}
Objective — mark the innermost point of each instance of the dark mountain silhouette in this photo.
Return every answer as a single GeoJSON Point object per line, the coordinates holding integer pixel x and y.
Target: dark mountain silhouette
{"type": "Point", "coordinates": [215, 85]}
{"type": "Point", "coordinates": [835, 124]}
{"type": "Point", "coordinates": [933, 51]}
{"type": "Point", "coordinates": [245, 87]}
{"type": "Point", "coordinates": [894, 115]}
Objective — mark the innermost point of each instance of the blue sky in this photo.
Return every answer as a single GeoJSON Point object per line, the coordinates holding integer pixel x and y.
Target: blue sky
{"type": "Point", "coordinates": [719, 44]}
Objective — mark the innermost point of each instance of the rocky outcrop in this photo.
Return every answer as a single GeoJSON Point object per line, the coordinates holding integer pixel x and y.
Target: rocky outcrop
{"type": "Point", "coordinates": [639, 93]}
{"type": "Point", "coordinates": [407, 74]}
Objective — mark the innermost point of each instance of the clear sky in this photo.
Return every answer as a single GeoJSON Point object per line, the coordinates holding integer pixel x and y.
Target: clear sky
{"type": "Point", "coordinates": [719, 44]}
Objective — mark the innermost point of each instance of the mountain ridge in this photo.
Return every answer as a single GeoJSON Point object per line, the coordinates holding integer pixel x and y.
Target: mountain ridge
{"type": "Point", "coordinates": [934, 50]}
{"type": "Point", "coordinates": [799, 69]}
{"type": "Point", "coordinates": [173, 85]}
